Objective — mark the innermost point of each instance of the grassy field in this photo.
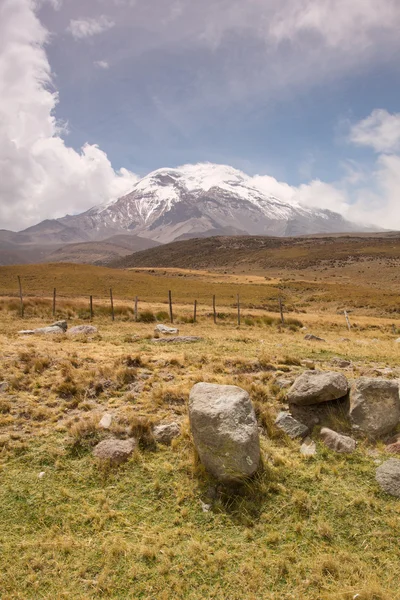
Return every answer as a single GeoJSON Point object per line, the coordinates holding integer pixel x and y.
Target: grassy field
{"type": "Point", "coordinates": [304, 529]}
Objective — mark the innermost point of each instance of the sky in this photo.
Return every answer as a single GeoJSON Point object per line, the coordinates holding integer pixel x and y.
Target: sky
{"type": "Point", "coordinates": [303, 95]}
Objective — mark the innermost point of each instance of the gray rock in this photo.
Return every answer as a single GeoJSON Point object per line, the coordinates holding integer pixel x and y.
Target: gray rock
{"type": "Point", "coordinates": [61, 324]}
{"type": "Point", "coordinates": [3, 387]}
{"type": "Point", "coordinates": [336, 441]}
{"type": "Point", "coordinates": [315, 387]}
{"type": "Point", "coordinates": [82, 330]}
{"type": "Point", "coordinates": [374, 406]}
{"type": "Point", "coordinates": [291, 426]}
{"type": "Point", "coordinates": [166, 432]}
{"type": "Point", "coordinates": [225, 431]}
{"type": "Point", "coordinates": [177, 340]}
{"type": "Point", "coordinates": [164, 330]}
{"type": "Point", "coordinates": [342, 363]}
{"type": "Point", "coordinates": [43, 331]}
{"type": "Point", "coordinates": [308, 448]}
{"type": "Point", "coordinates": [106, 421]}
{"type": "Point", "coordinates": [313, 338]}
{"type": "Point", "coordinates": [388, 476]}
{"type": "Point", "coordinates": [114, 451]}
{"type": "Point", "coordinates": [397, 341]}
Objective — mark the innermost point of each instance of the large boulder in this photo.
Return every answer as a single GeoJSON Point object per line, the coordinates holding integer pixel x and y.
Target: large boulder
{"type": "Point", "coordinates": [225, 431]}
{"type": "Point", "coordinates": [374, 406]}
{"type": "Point", "coordinates": [388, 476]}
{"type": "Point", "coordinates": [337, 441]}
{"type": "Point", "coordinates": [315, 387]}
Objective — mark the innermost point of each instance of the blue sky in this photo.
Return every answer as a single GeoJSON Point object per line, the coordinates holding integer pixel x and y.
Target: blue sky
{"type": "Point", "coordinates": [286, 89]}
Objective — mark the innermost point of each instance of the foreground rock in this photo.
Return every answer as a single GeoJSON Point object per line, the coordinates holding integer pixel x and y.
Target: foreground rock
{"type": "Point", "coordinates": [164, 330]}
{"type": "Point", "coordinates": [291, 426]}
{"type": "Point", "coordinates": [225, 431]}
{"type": "Point", "coordinates": [114, 451]}
{"type": "Point", "coordinates": [388, 476]}
{"type": "Point", "coordinates": [82, 330]}
{"type": "Point", "coordinates": [188, 339]}
{"type": "Point", "coordinates": [315, 387]}
{"type": "Point", "coordinates": [337, 442]}
{"type": "Point", "coordinates": [374, 406]}
{"type": "Point", "coordinates": [166, 432]}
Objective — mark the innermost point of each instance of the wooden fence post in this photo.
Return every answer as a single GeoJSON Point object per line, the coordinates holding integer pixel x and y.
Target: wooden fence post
{"type": "Point", "coordinates": [214, 310]}
{"type": "Point", "coordinates": [136, 308]}
{"type": "Point", "coordinates": [346, 316]}
{"type": "Point", "coordinates": [112, 305]}
{"type": "Point", "coordinates": [195, 311]}
{"type": "Point", "coordinates": [171, 314]}
{"type": "Point", "coordinates": [238, 309]}
{"type": "Point", "coordinates": [20, 297]}
{"type": "Point", "coordinates": [54, 301]}
{"type": "Point", "coordinates": [281, 310]}
{"type": "Point", "coordinates": [91, 308]}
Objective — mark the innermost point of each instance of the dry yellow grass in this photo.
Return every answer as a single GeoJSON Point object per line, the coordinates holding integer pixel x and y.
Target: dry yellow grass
{"type": "Point", "coordinates": [309, 529]}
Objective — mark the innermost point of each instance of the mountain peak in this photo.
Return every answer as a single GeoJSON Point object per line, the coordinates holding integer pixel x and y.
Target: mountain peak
{"type": "Point", "coordinates": [204, 199]}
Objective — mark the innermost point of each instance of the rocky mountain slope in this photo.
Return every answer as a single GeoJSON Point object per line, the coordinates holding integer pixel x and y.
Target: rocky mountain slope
{"type": "Point", "coordinates": [192, 201]}
{"type": "Point", "coordinates": [205, 199]}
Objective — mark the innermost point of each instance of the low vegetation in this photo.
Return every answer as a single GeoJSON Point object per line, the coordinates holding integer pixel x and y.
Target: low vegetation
{"type": "Point", "coordinates": [314, 528]}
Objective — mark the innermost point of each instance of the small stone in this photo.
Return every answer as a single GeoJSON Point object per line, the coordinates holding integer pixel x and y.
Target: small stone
{"type": "Point", "coordinates": [205, 507]}
{"type": "Point", "coordinates": [188, 339]}
{"type": "Point", "coordinates": [388, 476]}
{"type": "Point", "coordinates": [313, 338]}
{"type": "Point", "coordinates": [337, 442]}
{"type": "Point", "coordinates": [166, 432]}
{"type": "Point", "coordinates": [164, 330]}
{"type": "Point", "coordinates": [308, 448]}
{"type": "Point", "coordinates": [115, 451]}
{"type": "Point", "coordinates": [397, 341]}
{"type": "Point", "coordinates": [3, 387]}
{"type": "Point", "coordinates": [342, 363]}
{"type": "Point", "coordinates": [41, 474]}
{"type": "Point", "coordinates": [61, 324]}
{"type": "Point", "coordinates": [105, 421]}
{"type": "Point", "coordinates": [290, 425]}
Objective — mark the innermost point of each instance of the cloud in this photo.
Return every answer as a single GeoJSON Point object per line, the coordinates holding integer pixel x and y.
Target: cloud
{"type": "Point", "coordinates": [41, 177]}
{"type": "Point", "coordinates": [84, 28]}
{"type": "Point", "coordinates": [102, 64]}
{"type": "Point", "coordinates": [380, 131]}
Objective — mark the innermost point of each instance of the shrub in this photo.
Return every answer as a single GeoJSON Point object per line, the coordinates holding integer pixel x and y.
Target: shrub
{"type": "Point", "coordinates": [162, 315]}
{"type": "Point", "coordinates": [147, 317]}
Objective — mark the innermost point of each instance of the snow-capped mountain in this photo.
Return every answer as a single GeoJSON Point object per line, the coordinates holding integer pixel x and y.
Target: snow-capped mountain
{"type": "Point", "coordinates": [199, 200]}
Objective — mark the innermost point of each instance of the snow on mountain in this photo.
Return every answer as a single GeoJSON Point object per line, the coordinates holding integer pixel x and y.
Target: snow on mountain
{"type": "Point", "coordinates": [202, 199]}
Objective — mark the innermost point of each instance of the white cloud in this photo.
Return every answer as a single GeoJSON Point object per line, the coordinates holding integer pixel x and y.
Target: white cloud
{"type": "Point", "coordinates": [380, 130]}
{"type": "Point", "coordinates": [102, 64]}
{"type": "Point", "coordinates": [83, 28]}
{"type": "Point", "coordinates": [40, 177]}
